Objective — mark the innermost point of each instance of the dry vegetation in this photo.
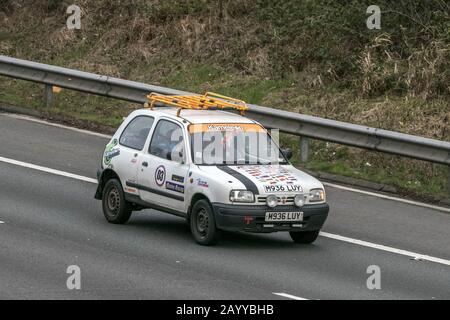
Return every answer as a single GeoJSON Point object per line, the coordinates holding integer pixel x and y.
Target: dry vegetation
{"type": "Point", "coordinates": [312, 56]}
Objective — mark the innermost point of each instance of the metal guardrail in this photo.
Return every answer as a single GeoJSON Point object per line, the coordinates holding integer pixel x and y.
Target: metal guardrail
{"type": "Point", "coordinates": [435, 151]}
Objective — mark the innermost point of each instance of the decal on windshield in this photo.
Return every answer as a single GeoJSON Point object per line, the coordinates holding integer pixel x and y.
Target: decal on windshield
{"type": "Point", "coordinates": [226, 127]}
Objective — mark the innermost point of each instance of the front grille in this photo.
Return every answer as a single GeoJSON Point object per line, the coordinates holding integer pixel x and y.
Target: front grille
{"type": "Point", "coordinates": [282, 200]}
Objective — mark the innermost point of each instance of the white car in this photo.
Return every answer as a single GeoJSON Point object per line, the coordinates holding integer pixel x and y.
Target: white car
{"type": "Point", "coordinates": [152, 162]}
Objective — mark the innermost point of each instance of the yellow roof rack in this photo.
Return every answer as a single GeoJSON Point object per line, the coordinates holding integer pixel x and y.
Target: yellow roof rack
{"type": "Point", "coordinates": [208, 101]}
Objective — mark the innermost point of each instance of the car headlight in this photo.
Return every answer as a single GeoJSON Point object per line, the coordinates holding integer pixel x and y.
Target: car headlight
{"type": "Point", "coordinates": [272, 201]}
{"type": "Point", "coordinates": [317, 195]}
{"type": "Point", "coordinates": [299, 200]}
{"type": "Point", "coordinates": [242, 196]}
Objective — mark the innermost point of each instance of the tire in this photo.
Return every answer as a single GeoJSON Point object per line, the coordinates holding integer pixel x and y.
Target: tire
{"type": "Point", "coordinates": [115, 208]}
{"type": "Point", "coordinates": [203, 224]}
{"type": "Point", "coordinates": [305, 237]}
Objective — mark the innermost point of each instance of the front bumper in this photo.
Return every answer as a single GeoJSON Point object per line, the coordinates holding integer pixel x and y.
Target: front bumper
{"type": "Point", "coordinates": [252, 218]}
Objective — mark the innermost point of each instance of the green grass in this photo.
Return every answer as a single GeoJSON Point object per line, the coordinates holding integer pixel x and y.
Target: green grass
{"type": "Point", "coordinates": [68, 104]}
{"type": "Point", "coordinates": [418, 185]}
{"type": "Point", "coordinates": [313, 57]}
{"type": "Point", "coordinates": [413, 178]}
{"type": "Point", "coordinates": [202, 78]}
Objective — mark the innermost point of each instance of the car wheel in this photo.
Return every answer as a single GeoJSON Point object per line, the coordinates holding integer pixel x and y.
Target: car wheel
{"type": "Point", "coordinates": [115, 208]}
{"type": "Point", "coordinates": [305, 237]}
{"type": "Point", "coordinates": [203, 224]}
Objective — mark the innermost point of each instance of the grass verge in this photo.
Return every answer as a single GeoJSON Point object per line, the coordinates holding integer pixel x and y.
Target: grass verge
{"type": "Point", "coordinates": [416, 179]}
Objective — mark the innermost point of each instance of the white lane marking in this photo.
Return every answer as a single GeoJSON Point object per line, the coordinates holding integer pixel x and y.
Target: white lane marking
{"type": "Point", "coordinates": [382, 196]}
{"type": "Point", "coordinates": [48, 170]}
{"type": "Point", "coordinates": [414, 255]}
{"type": "Point", "coordinates": [374, 194]}
{"type": "Point", "coordinates": [289, 296]}
{"type": "Point", "coordinates": [323, 234]}
{"type": "Point", "coordinates": [61, 126]}
{"type": "Point", "coordinates": [1, 222]}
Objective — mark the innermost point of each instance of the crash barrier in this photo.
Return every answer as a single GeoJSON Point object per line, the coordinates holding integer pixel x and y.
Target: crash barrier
{"type": "Point", "coordinates": [305, 126]}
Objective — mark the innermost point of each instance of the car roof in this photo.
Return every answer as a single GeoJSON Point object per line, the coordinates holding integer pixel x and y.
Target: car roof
{"type": "Point", "coordinates": [198, 116]}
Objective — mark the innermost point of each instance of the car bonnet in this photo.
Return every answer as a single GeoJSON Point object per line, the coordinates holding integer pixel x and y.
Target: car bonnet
{"type": "Point", "coordinates": [257, 178]}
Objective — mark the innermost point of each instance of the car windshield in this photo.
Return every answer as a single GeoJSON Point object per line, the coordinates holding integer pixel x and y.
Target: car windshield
{"type": "Point", "coordinates": [233, 144]}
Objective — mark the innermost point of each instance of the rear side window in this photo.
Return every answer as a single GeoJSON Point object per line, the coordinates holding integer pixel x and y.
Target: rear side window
{"type": "Point", "coordinates": [136, 133]}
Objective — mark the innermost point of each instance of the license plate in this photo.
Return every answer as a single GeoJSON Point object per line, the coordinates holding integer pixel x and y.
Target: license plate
{"type": "Point", "coordinates": [284, 216]}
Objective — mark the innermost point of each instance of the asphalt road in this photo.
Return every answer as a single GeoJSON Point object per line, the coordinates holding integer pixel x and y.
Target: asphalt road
{"type": "Point", "coordinates": [49, 222]}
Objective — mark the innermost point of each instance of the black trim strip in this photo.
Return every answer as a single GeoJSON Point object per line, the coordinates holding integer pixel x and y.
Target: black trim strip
{"type": "Point", "coordinates": [155, 191]}
{"type": "Point", "coordinates": [136, 200]}
{"type": "Point", "coordinates": [249, 184]}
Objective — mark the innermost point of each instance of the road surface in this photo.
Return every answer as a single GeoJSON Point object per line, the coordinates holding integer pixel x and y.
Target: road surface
{"type": "Point", "coordinates": [49, 221]}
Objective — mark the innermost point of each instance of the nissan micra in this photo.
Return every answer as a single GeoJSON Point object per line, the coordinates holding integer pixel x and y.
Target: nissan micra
{"type": "Point", "coordinates": [218, 170]}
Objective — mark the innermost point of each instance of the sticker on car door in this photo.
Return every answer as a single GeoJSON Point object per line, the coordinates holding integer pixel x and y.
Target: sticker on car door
{"type": "Point", "coordinates": [160, 176]}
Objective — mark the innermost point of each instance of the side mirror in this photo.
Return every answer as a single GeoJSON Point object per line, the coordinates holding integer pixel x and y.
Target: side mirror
{"type": "Point", "coordinates": [287, 152]}
{"type": "Point", "coordinates": [177, 156]}
{"type": "Point", "coordinates": [169, 155]}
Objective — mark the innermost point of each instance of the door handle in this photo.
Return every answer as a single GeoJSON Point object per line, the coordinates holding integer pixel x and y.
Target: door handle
{"type": "Point", "coordinates": [145, 164]}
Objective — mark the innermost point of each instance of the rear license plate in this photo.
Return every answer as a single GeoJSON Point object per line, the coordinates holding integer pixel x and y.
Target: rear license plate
{"type": "Point", "coordinates": [284, 216]}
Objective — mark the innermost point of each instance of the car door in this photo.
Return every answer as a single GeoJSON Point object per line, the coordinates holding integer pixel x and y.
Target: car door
{"type": "Point", "coordinates": [131, 144]}
{"type": "Point", "coordinates": [163, 171]}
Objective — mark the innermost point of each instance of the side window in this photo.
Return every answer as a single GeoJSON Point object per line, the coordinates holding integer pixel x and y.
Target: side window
{"type": "Point", "coordinates": [136, 133]}
{"type": "Point", "coordinates": [167, 141]}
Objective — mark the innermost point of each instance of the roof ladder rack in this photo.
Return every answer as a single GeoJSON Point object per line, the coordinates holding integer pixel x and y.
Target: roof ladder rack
{"type": "Point", "coordinates": [208, 101]}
